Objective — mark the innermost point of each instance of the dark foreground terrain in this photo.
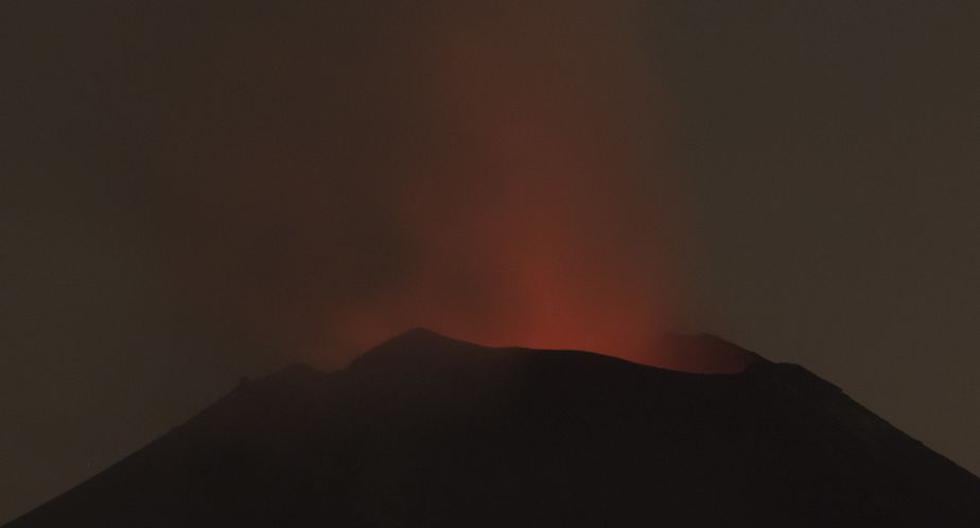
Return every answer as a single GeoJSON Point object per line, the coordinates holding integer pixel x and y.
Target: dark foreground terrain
{"type": "Point", "coordinates": [427, 431]}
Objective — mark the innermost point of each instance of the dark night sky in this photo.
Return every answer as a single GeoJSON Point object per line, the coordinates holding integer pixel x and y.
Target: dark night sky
{"type": "Point", "coordinates": [193, 191]}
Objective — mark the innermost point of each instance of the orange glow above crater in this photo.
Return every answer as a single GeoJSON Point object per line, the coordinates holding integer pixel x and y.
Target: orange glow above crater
{"type": "Point", "coordinates": [519, 231]}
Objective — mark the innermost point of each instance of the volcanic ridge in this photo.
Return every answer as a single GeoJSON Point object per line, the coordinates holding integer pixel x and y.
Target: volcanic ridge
{"type": "Point", "coordinates": [424, 430]}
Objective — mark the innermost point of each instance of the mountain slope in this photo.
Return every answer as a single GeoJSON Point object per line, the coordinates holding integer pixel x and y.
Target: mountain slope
{"type": "Point", "coordinates": [428, 431]}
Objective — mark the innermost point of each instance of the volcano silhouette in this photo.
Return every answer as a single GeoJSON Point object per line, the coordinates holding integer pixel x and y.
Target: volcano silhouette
{"type": "Point", "coordinates": [428, 431]}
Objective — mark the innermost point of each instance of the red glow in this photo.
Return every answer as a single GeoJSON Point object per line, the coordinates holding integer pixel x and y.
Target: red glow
{"type": "Point", "coordinates": [519, 228]}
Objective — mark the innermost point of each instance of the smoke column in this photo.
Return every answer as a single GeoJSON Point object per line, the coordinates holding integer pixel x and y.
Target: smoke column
{"type": "Point", "coordinates": [342, 173]}
{"type": "Point", "coordinates": [519, 221]}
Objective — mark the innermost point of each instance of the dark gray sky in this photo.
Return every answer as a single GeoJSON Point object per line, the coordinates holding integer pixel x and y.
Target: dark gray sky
{"type": "Point", "coordinates": [193, 191]}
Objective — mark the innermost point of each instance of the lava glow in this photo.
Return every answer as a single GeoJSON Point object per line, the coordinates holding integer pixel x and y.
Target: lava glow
{"type": "Point", "coordinates": [491, 172]}
{"type": "Point", "coordinates": [519, 231]}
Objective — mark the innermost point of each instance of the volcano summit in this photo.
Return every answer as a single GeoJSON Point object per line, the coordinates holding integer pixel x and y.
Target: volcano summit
{"type": "Point", "coordinates": [428, 431]}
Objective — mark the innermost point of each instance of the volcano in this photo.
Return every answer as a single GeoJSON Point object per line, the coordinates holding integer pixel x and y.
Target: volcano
{"type": "Point", "coordinates": [428, 431]}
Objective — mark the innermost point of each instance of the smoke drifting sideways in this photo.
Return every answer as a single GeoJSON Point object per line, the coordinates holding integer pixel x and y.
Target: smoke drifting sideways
{"type": "Point", "coordinates": [495, 174]}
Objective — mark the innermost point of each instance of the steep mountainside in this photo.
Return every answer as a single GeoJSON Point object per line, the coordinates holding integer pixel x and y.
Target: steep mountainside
{"type": "Point", "coordinates": [428, 431]}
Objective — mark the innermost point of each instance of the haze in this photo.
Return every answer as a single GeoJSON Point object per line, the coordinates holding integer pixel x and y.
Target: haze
{"type": "Point", "coordinates": [197, 191]}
